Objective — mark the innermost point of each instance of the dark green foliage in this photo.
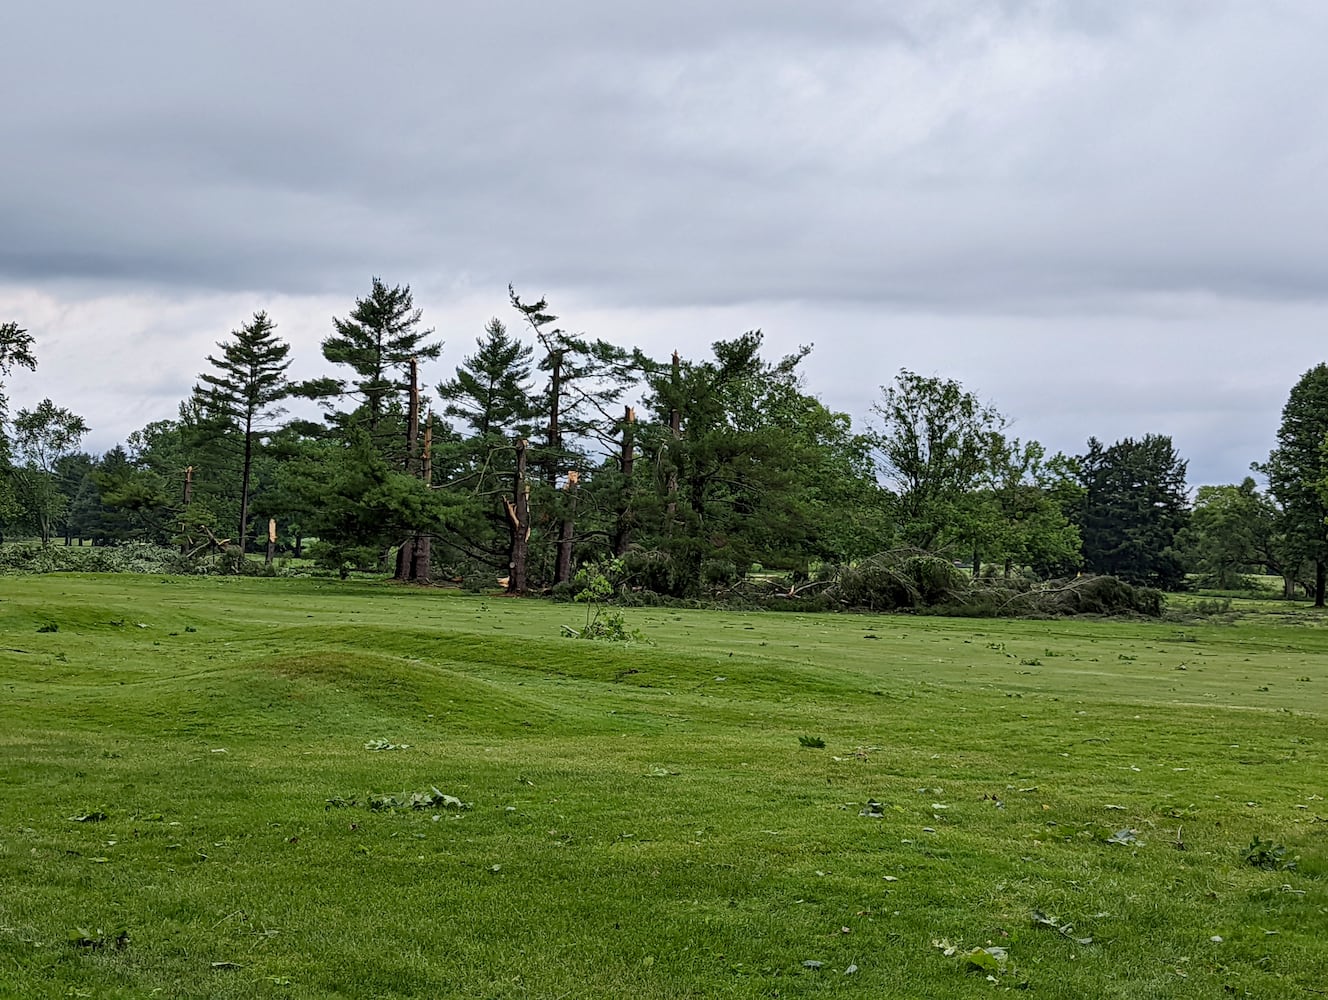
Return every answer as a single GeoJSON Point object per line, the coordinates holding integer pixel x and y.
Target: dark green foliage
{"type": "Point", "coordinates": [249, 380]}
{"type": "Point", "coordinates": [1269, 856]}
{"type": "Point", "coordinates": [16, 349]}
{"type": "Point", "coordinates": [1133, 509]}
{"type": "Point", "coordinates": [895, 580]}
{"type": "Point", "coordinates": [42, 438]}
{"type": "Point", "coordinates": [935, 441]}
{"type": "Point", "coordinates": [1233, 531]}
{"type": "Point", "coordinates": [1297, 471]}
{"type": "Point", "coordinates": [358, 505]}
{"type": "Point", "coordinates": [914, 581]}
{"type": "Point", "coordinates": [377, 341]}
{"type": "Point", "coordinates": [491, 389]}
{"type": "Point", "coordinates": [131, 557]}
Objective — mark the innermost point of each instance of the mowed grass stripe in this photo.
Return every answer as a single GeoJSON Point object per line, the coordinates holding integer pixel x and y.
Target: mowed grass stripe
{"type": "Point", "coordinates": [644, 818]}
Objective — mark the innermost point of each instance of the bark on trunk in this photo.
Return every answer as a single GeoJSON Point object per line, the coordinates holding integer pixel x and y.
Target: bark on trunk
{"type": "Point", "coordinates": [1320, 573]}
{"type": "Point", "coordinates": [244, 482]}
{"type": "Point", "coordinates": [518, 520]}
{"type": "Point", "coordinates": [424, 544]}
{"type": "Point", "coordinates": [675, 429]}
{"type": "Point", "coordinates": [555, 436]}
{"type": "Point", "coordinates": [622, 534]}
{"type": "Point", "coordinates": [408, 555]}
{"type": "Point", "coordinates": [188, 495]}
{"type": "Point", "coordinates": [562, 567]}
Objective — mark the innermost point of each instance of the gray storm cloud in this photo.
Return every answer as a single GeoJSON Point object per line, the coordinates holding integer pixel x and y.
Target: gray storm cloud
{"type": "Point", "coordinates": [850, 170]}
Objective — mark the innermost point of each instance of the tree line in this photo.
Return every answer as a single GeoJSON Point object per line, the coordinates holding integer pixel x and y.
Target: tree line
{"type": "Point", "coordinates": [543, 450]}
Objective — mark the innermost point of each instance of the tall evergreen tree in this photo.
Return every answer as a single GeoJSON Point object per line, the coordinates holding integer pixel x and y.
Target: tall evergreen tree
{"type": "Point", "coordinates": [377, 341]}
{"type": "Point", "coordinates": [250, 379]}
{"type": "Point", "coordinates": [1134, 507]}
{"type": "Point", "coordinates": [1298, 466]}
{"type": "Point", "coordinates": [491, 390]}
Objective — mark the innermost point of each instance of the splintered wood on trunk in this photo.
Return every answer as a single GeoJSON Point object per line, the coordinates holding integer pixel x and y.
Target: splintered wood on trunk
{"type": "Point", "coordinates": [562, 569]}
{"type": "Point", "coordinates": [622, 531]}
{"type": "Point", "coordinates": [518, 522]}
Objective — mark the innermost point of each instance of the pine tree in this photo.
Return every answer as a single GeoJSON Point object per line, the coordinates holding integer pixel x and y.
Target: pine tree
{"type": "Point", "coordinates": [1134, 507]}
{"type": "Point", "coordinates": [378, 340]}
{"type": "Point", "coordinates": [491, 390]}
{"type": "Point", "coordinates": [249, 381]}
{"type": "Point", "coordinates": [1298, 466]}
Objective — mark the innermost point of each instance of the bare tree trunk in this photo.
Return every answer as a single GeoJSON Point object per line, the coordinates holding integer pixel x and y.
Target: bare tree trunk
{"type": "Point", "coordinates": [424, 543]}
{"type": "Point", "coordinates": [622, 534]}
{"type": "Point", "coordinates": [413, 414]}
{"type": "Point", "coordinates": [562, 567]}
{"type": "Point", "coordinates": [1320, 572]}
{"type": "Point", "coordinates": [271, 539]}
{"type": "Point", "coordinates": [675, 428]}
{"type": "Point", "coordinates": [244, 481]}
{"type": "Point", "coordinates": [555, 438]}
{"type": "Point", "coordinates": [188, 495]}
{"type": "Point", "coordinates": [518, 518]}
{"type": "Point", "coordinates": [407, 555]}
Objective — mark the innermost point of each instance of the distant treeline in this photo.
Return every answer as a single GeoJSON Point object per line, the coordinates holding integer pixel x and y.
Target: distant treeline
{"type": "Point", "coordinates": [544, 452]}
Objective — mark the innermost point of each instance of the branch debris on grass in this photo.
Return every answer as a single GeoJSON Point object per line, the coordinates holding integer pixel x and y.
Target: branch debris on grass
{"type": "Point", "coordinates": [381, 744]}
{"type": "Point", "coordinates": [1040, 919]}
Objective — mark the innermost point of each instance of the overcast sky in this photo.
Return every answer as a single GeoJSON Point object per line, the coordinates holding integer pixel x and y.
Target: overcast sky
{"type": "Point", "coordinates": [1107, 217]}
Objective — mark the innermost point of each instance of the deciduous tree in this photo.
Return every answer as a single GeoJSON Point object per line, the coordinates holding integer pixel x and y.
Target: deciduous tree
{"type": "Point", "coordinates": [42, 436]}
{"type": "Point", "coordinates": [934, 443]}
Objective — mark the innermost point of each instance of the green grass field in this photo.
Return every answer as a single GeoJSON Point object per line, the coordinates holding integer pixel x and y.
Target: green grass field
{"type": "Point", "coordinates": [644, 820]}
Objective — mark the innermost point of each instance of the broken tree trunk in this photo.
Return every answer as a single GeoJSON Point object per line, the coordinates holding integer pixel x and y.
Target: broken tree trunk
{"type": "Point", "coordinates": [622, 531]}
{"type": "Point", "coordinates": [407, 554]}
{"type": "Point", "coordinates": [562, 568]}
{"type": "Point", "coordinates": [518, 521]}
{"type": "Point", "coordinates": [675, 429]}
{"type": "Point", "coordinates": [555, 436]}
{"type": "Point", "coordinates": [423, 569]}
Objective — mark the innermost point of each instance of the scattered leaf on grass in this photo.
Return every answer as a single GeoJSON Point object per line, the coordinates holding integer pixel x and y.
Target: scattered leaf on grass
{"type": "Point", "coordinates": [96, 816]}
{"type": "Point", "coordinates": [227, 965]}
{"type": "Point", "coordinates": [1268, 856]}
{"type": "Point", "coordinates": [873, 809]}
{"type": "Point", "coordinates": [814, 742]}
{"type": "Point", "coordinates": [1040, 919]}
{"type": "Point", "coordinates": [381, 744]}
{"type": "Point", "coordinates": [432, 799]}
{"type": "Point", "coordinates": [81, 937]}
{"type": "Point", "coordinates": [811, 963]}
{"type": "Point", "coordinates": [1123, 837]}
